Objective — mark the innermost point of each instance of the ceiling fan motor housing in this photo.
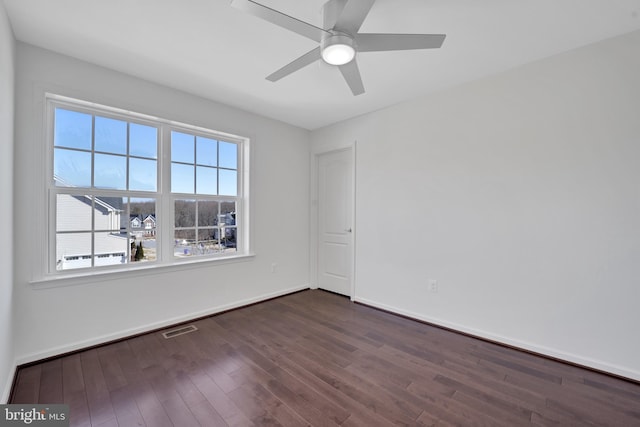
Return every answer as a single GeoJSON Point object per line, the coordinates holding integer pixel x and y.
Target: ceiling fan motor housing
{"type": "Point", "coordinates": [338, 48]}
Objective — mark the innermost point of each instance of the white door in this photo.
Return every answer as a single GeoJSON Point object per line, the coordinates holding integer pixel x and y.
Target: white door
{"type": "Point", "coordinates": [335, 221]}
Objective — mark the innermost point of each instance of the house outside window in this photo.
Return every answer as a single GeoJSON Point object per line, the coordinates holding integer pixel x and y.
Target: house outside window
{"type": "Point", "coordinates": [128, 189]}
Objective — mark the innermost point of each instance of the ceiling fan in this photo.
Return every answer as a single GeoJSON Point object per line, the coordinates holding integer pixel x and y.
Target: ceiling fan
{"type": "Point", "coordinates": [339, 38]}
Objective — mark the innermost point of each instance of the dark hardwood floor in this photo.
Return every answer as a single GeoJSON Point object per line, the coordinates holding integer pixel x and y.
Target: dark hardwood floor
{"type": "Point", "coordinates": [315, 358]}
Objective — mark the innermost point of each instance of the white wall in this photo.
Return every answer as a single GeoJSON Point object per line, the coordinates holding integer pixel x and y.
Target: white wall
{"type": "Point", "coordinates": [53, 320]}
{"type": "Point", "coordinates": [7, 63]}
{"type": "Point", "coordinates": [520, 194]}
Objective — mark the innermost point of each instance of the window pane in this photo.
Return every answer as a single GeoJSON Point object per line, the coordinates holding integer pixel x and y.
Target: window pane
{"type": "Point", "coordinates": [228, 213]}
{"type": "Point", "coordinates": [228, 182]}
{"type": "Point", "coordinates": [110, 248]}
{"type": "Point", "coordinates": [143, 141]}
{"type": "Point", "coordinates": [107, 213]}
{"type": "Point", "coordinates": [143, 175]}
{"type": "Point", "coordinates": [110, 172]}
{"type": "Point", "coordinates": [182, 178]}
{"type": "Point", "coordinates": [207, 243]}
{"type": "Point", "coordinates": [73, 213]}
{"type": "Point", "coordinates": [206, 180]}
{"type": "Point", "coordinates": [228, 155]}
{"type": "Point", "coordinates": [185, 213]}
{"type": "Point", "coordinates": [228, 242]}
{"type": "Point", "coordinates": [182, 148]}
{"type": "Point", "coordinates": [143, 226]}
{"type": "Point", "coordinates": [73, 250]}
{"type": "Point", "coordinates": [111, 135]}
{"type": "Point", "coordinates": [72, 129]}
{"type": "Point", "coordinates": [206, 151]}
{"type": "Point", "coordinates": [184, 241]}
{"type": "Point", "coordinates": [207, 213]}
{"type": "Point", "coordinates": [227, 225]}
{"type": "Point", "coordinates": [206, 235]}
{"type": "Point", "coordinates": [71, 168]}
{"type": "Point", "coordinates": [150, 250]}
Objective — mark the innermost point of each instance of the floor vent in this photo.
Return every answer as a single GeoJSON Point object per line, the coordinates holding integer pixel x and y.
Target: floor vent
{"type": "Point", "coordinates": [180, 331]}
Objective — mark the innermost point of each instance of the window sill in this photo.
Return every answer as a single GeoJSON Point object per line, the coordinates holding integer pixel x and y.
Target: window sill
{"type": "Point", "coordinates": [83, 278]}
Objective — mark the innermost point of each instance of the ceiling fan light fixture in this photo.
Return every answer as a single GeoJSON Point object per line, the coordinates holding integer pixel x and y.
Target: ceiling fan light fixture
{"type": "Point", "coordinates": [338, 50]}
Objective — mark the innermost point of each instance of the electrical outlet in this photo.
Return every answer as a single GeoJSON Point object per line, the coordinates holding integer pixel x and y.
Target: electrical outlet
{"type": "Point", "coordinates": [433, 285]}
{"type": "Point", "coordinates": [274, 266]}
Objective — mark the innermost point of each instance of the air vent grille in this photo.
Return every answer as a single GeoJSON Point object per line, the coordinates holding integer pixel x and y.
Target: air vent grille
{"type": "Point", "coordinates": [179, 331]}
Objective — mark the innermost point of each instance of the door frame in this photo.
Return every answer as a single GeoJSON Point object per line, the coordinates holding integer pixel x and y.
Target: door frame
{"type": "Point", "coordinates": [314, 220]}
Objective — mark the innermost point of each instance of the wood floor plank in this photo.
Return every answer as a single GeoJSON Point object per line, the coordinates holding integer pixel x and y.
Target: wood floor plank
{"type": "Point", "coordinates": [27, 388]}
{"type": "Point", "coordinates": [220, 401]}
{"type": "Point", "coordinates": [72, 376]}
{"type": "Point", "coordinates": [263, 408]}
{"type": "Point", "coordinates": [179, 412]}
{"type": "Point", "coordinates": [315, 358]}
{"type": "Point", "coordinates": [74, 393]}
{"type": "Point", "coordinates": [125, 407]}
{"type": "Point", "coordinates": [98, 399]}
{"type": "Point", "coordinates": [152, 411]}
{"type": "Point", "coordinates": [51, 382]}
{"type": "Point", "coordinates": [113, 375]}
{"type": "Point", "coordinates": [207, 416]}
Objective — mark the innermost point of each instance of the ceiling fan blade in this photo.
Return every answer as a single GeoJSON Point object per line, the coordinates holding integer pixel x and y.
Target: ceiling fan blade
{"type": "Point", "coordinates": [331, 11]}
{"type": "Point", "coordinates": [351, 74]}
{"type": "Point", "coordinates": [380, 42]}
{"type": "Point", "coordinates": [280, 19]}
{"type": "Point", "coordinates": [353, 15]}
{"type": "Point", "coordinates": [295, 65]}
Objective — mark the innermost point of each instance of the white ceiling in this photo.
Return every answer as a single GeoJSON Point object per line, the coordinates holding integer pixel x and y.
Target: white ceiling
{"type": "Point", "coordinates": [210, 49]}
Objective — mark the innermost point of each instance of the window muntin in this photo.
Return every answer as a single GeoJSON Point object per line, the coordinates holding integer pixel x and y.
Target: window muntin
{"type": "Point", "coordinates": [108, 160]}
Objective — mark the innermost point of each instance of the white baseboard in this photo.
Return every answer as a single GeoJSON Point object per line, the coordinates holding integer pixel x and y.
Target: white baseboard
{"type": "Point", "coordinates": [546, 351]}
{"type": "Point", "coordinates": [79, 345]}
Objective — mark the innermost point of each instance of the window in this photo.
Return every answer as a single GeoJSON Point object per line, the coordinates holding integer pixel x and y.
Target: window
{"type": "Point", "coordinates": [128, 190]}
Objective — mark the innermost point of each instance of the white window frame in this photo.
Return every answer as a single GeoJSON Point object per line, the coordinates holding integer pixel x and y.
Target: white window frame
{"type": "Point", "coordinates": [164, 197]}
